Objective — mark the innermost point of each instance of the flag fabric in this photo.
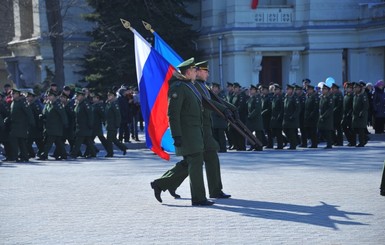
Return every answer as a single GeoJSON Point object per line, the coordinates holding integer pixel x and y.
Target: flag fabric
{"type": "Point", "coordinates": [166, 51]}
{"type": "Point", "coordinates": [153, 72]}
{"type": "Point", "coordinates": [254, 4]}
{"type": "Point", "coordinates": [174, 59]}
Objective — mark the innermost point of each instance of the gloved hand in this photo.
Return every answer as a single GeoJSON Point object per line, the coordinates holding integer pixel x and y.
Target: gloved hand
{"type": "Point", "coordinates": [177, 141]}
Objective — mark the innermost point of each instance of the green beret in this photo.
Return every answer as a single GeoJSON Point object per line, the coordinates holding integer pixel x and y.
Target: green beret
{"type": "Point", "coordinates": [185, 65]}
{"type": "Point", "coordinates": [203, 65]}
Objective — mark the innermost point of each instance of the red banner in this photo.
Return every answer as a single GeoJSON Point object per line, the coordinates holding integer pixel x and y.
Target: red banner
{"type": "Point", "coordinates": [254, 4]}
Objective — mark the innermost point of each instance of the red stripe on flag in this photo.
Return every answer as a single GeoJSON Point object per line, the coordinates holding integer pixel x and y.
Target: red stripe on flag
{"type": "Point", "coordinates": [159, 115]}
{"type": "Point", "coordinates": [254, 4]}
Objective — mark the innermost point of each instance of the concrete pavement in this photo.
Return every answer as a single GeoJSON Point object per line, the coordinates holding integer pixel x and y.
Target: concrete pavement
{"type": "Point", "coordinates": [308, 196]}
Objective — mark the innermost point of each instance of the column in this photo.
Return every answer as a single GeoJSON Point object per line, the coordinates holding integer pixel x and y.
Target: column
{"type": "Point", "coordinates": [256, 69]}
{"type": "Point", "coordinates": [294, 67]}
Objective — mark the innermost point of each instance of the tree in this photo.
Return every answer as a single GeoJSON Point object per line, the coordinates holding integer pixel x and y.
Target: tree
{"type": "Point", "coordinates": [110, 59]}
{"type": "Point", "coordinates": [55, 27]}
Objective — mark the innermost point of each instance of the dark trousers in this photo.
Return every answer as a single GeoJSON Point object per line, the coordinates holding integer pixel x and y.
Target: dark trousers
{"type": "Point", "coordinates": [379, 123]}
{"type": "Point", "coordinates": [304, 136]}
{"type": "Point", "coordinates": [39, 144]}
{"type": "Point", "coordinates": [238, 140]}
{"type": "Point", "coordinates": [219, 136]}
{"type": "Point", "coordinates": [60, 150]}
{"type": "Point", "coordinates": [382, 187]}
{"type": "Point", "coordinates": [268, 134]}
{"type": "Point", "coordinates": [79, 141]}
{"type": "Point", "coordinates": [291, 134]}
{"type": "Point", "coordinates": [111, 140]}
{"type": "Point", "coordinates": [311, 133]}
{"type": "Point", "coordinates": [349, 134]}
{"type": "Point", "coordinates": [361, 132]}
{"type": "Point", "coordinates": [327, 135]}
{"type": "Point", "coordinates": [18, 145]}
{"type": "Point", "coordinates": [338, 137]}
{"type": "Point", "coordinates": [277, 133]}
{"type": "Point", "coordinates": [174, 177]}
{"type": "Point", "coordinates": [124, 132]}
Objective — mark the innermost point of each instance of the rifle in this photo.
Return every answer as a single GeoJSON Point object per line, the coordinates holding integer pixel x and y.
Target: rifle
{"type": "Point", "coordinates": [251, 138]}
{"type": "Point", "coordinates": [237, 124]}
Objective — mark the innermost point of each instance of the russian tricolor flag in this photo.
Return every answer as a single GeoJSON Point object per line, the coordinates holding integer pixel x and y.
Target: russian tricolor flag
{"type": "Point", "coordinates": [153, 72]}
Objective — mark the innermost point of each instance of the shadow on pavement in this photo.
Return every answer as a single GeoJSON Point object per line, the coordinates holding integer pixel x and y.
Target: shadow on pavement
{"type": "Point", "coordinates": [324, 215]}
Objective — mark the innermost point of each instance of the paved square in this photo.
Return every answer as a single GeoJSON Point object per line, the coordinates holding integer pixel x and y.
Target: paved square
{"type": "Point", "coordinates": [307, 196]}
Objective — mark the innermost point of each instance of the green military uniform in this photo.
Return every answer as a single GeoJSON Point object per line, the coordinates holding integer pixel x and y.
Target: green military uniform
{"type": "Point", "coordinates": [69, 132]}
{"type": "Point", "coordinates": [55, 120]}
{"type": "Point", "coordinates": [290, 123]}
{"type": "Point", "coordinates": [186, 120]}
{"type": "Point", "coordinates": [302, 101]}
{"type": "Point", "coordinates": [83, 128]}
{"type": "Point", "coordinates": [266, 117]}
{"type": "Point", "coordinates": [99, 119]}
{"type": "Point", "coordinates": [325, 121]}
{"type": "Point", "coordinates": [35, 134]}
{"type": "Point", "coordinates": [360, 116]}
{"type": "Point", "coordinates": [21, 119]}
{"type": "Point", "coordinates": [219, 125]}
{"type": "Point", "coordinates": [277, 118]}
{"type": "Point", "coordinates": [311, 115]}
{"type": "Point", "coordinates": [239, 102]}
{"type": "Point", "coordinates": [254, 119]}
{"type": "Point", "coordinates": [113, 119]}
{"type": "Point", "coordinates": [346, 122]}
{"type": "Point", "coordinates": [337, 117]}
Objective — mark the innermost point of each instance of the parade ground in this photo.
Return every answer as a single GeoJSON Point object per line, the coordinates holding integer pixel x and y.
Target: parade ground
{"type": "Point", "coordinates": [307, 196]}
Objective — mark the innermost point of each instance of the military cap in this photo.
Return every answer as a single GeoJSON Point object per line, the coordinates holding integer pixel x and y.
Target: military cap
{"type": "Point", "coordinates": [185, 65]}
{"type": "Point", "coordinates": [290, 86]}
{"type": "Point", "coordinates": [310, 86]}
{"type": "Point", "coordinates": [237, 85]}
{"type": "Point", "coordinates": [348, 84]}
{"type": "Point", "coordinates": [362, 83]}
{"type": "Point", "coordinates": [358, 84]}
{"type": "Point", "coordinates": [253, 87]}
{"type": "Point", "coordinates": [263, 86]}
{"type": "Point", "coordinates": [277, 86]}
{"type": "Point", "coordinates": [214, 84]}
{"type": "Point", "coordinates": [14, 90]}
{"type": "Point", "coordinates": [203, 65]}
{"type": "Point", "coordinates": [334, 85]}
{"type": "Point", "coordinates": [31, 93]}
{"type": "Point", "coordinates": [53, 85]}
{"type": "Point", "coordinates": [7, 85]}
{"type": "Point", "coordinates": [297, 86]}
{"type": "Point", "coordinates": [66, 88]}
{"type": "Point", "coordinates": [79, 91]}
{"type": "Point", "coordinates": [306, 80]}
{"type": "Point", "coordinates": [97, 94]}
{"type": "Point", "coordinates": [229, 84]}
{"type": "Point", "coordinates": [51, 92]}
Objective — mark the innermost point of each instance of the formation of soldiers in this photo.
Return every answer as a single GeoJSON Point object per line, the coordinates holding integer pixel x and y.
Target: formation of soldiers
{"type": "Point", "coordinates": [73, 116]}
{"type": "Point", "coordinates": [301, 114]}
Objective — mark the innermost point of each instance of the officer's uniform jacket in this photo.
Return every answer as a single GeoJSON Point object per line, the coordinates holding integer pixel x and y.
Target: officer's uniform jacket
{"type": "Point", "coordinates": [326, 106]}
{"type": "Point", "coordinates": [55, 118]}
{"type": "Point", "coordinates": [113, 117]}
{"type": "Point", "coordinates": [277, 111]}
{"type": "Point", "coordinates": [311, 111]}
{"type": "Point", "coordinates": [347, 110]}
{"type": "Point", "coordinates": [360, 110]}
{"type": "Point", "coordinates": [99, 118]}
{"type": "Point", "coordinates": [83, 119]}
{"type": "Point", "coordinates": [291, 112]}
{"type": "Point", "coordinates": [20, 118]}
{"type": "Point", "coordinates": [185, 116]}
{"type": "Point", "coordinates": [254, 119]}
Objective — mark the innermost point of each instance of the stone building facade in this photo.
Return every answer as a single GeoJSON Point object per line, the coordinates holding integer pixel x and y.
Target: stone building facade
{"type": "Point", "coordinates": [284, 41]}
{"type": "Point", "coordinates": [25, 49]}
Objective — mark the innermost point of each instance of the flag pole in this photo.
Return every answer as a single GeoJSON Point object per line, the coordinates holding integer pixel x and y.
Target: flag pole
{"type": "Point", "coordinates": [148, 26]}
